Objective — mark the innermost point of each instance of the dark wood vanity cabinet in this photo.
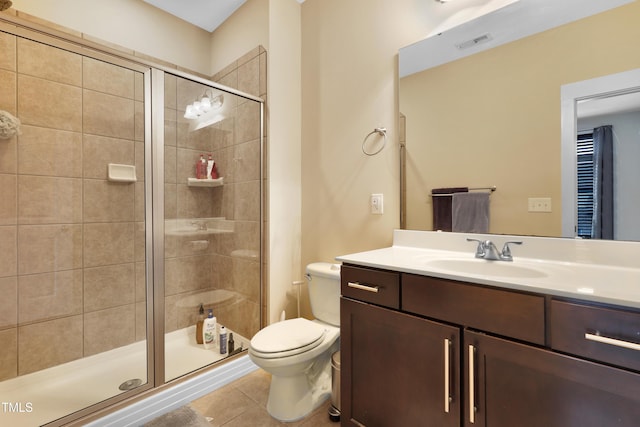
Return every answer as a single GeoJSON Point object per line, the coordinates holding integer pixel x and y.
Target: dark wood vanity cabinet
{"type": "Point", "coordinates": [513, 384]}
{"type": "Point", "coordinates": [397, 369]}
{"type": "Point", "coordinates": [458, 354]}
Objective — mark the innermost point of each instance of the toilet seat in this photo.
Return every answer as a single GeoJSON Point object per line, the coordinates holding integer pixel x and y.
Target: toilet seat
{"type": "Point", "coordinates": [287, 338]}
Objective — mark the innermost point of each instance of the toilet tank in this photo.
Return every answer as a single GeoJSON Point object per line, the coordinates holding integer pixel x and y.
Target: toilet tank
{"type": "Point", "coordinates": [324, 291]}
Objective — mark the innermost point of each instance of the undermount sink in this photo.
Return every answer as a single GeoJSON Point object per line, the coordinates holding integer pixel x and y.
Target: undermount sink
{"type": "Point", "coordinates": [483, 267]}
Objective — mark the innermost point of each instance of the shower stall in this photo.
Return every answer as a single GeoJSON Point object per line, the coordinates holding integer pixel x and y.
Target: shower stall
{"type": "Point", "coordinates": [111, 244]}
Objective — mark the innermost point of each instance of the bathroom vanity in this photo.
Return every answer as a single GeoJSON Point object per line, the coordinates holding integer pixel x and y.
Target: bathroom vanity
{"type": "Point", "coordinates": [540, 342]}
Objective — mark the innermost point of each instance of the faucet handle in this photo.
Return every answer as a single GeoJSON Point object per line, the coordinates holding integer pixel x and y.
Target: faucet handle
{"type": "Point", "coordinates": [480, 249]}
{"type": "Point", "coordinates": [506, 251]}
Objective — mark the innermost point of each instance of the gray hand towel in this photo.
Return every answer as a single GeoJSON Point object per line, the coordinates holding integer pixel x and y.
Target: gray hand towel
{"type": "Point", "coordinates": [470, 212]}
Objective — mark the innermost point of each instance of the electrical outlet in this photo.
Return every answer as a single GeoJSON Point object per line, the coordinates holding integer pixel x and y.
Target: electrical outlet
{"type": "Point", "coordinates": [377, 204]}
{"type": "Point", "coordinates": [539, 204]}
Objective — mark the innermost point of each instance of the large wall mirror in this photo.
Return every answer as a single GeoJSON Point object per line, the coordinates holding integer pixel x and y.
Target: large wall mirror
{"type": "Point", "coordinates": [490, 114]}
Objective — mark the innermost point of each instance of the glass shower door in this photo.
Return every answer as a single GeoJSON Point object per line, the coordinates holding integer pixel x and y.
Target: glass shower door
{"type": "Point", "coordinates": [212, 220]}
{"type": "Point", "coordinates": [73, 313]}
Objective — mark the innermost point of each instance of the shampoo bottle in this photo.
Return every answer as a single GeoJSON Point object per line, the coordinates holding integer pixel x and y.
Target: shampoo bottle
{"type": "Point", "coordinates": [210, 164]}
{"type": "Point", "coordinates": [199, 325]}
{"type": "Point", "coordinates": [223, 340]}
{"type": "Point", "coordinates": [209, 330]}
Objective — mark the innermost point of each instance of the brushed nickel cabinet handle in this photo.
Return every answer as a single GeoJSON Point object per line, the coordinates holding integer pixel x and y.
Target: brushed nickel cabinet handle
{"type": "Point", "coordinates": [367, 288]}
{"type": "Point", "coordinates": [472, 391]}
{"type": "Point", "coordinates": [612, 341]}
{"type": "Point", "coordinates": [447, 375]}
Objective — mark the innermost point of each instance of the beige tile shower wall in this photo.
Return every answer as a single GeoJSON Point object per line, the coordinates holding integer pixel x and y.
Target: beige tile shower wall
{"type": "Point", "coordinates": [230, 261]}
{"type": "Point", "coordinates": [70, 239]}
{"type": "Point", "coordinates": [242, 259]}
{"type": "Point", "coordinates": [189, 261]}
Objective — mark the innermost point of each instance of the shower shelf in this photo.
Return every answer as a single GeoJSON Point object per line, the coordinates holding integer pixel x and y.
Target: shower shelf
{"type": "Point", "coordinates": [195, 182]}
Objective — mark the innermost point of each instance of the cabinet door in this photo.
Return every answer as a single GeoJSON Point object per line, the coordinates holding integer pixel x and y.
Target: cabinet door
{"type": "Point", "coordinates": [397, 369]}
{"type": "Point", "coordinates": [510, 384]}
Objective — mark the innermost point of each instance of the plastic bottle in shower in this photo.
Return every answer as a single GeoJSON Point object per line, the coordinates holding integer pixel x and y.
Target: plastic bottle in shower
{"type": "Point", "coordinates": [231, 345]}
{"type": "Point", "coordinates": [199, 324]}
{"type": "Point", "coordinates": [201, 167]}
{"type": "Point", "coordinates": [209, 330]}
{"type": "Point", "coordinates": [223, 340]}
{"type": "Point", "coordinates": [214, 171]}
{"type": "Point", "coordinates": [210, 164]}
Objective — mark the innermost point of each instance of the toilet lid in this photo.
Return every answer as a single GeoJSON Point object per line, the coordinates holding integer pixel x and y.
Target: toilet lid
{"type": "Point", "coordinates": [290, 336]}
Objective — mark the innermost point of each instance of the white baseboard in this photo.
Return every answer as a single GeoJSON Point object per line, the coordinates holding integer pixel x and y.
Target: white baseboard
{"type": "Point", "coordinates": [182, 393]}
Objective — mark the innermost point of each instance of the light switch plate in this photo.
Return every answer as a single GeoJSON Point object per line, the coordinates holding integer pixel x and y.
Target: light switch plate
{"type": "Point", "coordinates": [377, 204]}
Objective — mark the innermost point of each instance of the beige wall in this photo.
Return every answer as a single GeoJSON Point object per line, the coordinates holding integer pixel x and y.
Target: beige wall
{"type": "Point", "coordinates": [133, 24]}
{"type": "Point", "coordinates": [276, 26]}
{"type": "Point", "coordinates": [284, 149]}
{"type": "Point", "coordinates": [247, 28]}
{"type": "Point", "coordinates": [494, 118]}
{"type": "Point", "coordinates": [349, 75]}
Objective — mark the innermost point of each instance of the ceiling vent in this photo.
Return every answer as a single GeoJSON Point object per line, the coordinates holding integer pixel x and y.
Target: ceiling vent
{"type": "Point", "coordinates": [474, 42]}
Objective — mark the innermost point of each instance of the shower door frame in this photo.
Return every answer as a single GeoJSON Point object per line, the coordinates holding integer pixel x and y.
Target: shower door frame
{"type": "Point", "coordinates": [157, 155]}
{"type": "Point", "coordinates": [56, 39]}
{"type": "Point", "coordinates": [154, 199]}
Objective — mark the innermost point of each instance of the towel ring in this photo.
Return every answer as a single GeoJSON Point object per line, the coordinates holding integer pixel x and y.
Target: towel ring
{"type": "Point", "coordinates": [379, 131]}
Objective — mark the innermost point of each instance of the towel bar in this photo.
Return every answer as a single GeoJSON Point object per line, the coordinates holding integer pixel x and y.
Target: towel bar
{"type": "Point", "coordinates": [491, 190]}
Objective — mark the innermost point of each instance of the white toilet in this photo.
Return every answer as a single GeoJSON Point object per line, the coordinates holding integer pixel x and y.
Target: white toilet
{"type": "Point", "coordinates": [297, 352]}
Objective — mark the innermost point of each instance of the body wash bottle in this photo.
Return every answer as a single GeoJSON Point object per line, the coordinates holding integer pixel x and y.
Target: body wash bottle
{"type": "Point", "coordinates": [209, 330]}
{"type": "Point", "coordinates": [199, 324]}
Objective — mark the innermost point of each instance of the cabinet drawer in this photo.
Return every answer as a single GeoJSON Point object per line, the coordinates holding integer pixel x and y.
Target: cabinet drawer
{"type": "Point", "coordinates": [374, 286]}
{"type": "Point", "coordinates": [606, 334]}
{"type": "Point", "coordinates": [508, 313]}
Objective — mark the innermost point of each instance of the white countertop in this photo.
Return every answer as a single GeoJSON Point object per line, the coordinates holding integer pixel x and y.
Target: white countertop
{"type": "Point", "coordinates": [575, 276]}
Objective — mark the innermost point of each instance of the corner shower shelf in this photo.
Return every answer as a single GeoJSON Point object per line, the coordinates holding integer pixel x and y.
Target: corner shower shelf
{"type": "Point", "coordinates": [195, 182]}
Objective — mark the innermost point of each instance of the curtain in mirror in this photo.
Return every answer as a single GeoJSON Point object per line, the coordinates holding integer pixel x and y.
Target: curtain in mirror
{"type": "Point", "coordinates": [602, 224]}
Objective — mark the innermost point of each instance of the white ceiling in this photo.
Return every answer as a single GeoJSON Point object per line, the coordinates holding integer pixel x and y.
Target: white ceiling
{"type": "Point", "coordinates": [206, 14]}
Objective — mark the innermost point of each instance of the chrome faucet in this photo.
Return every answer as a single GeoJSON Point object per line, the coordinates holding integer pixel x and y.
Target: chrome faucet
{"type": "Point", "coordinates": [487, 250]}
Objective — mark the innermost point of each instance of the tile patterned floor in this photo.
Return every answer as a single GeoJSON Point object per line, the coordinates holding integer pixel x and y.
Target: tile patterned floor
{"type": "Point", "coordinates": [243, 403]}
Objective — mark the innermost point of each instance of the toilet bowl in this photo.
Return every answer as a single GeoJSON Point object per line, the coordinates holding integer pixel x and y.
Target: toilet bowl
{"type": "Point", "coordinates": [297, 352]}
